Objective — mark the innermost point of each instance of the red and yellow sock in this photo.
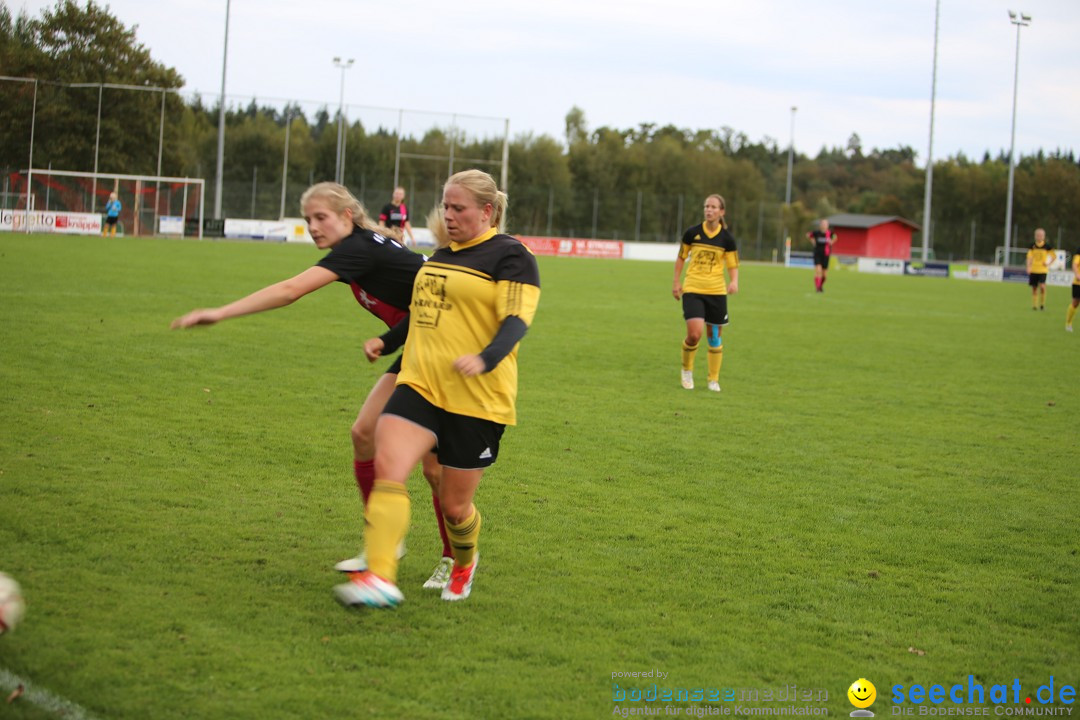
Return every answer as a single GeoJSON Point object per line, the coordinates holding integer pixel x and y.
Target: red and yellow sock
{"type": "Point", "coordinates": [364, 470]}
{"type": "Point", "coordinates": [446, 551]}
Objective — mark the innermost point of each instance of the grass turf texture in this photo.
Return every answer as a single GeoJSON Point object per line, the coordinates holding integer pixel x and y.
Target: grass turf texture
{"type": "Point", "coordinates": [885, 488]}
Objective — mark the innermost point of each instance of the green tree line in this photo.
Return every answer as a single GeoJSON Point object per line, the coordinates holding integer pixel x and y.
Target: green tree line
{"type": "Point", "coordinates": [645, 183]}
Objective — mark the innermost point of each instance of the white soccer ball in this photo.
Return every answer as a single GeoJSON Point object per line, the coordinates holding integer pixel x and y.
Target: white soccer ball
{"type": "Point", "coordinates": [12, 605]}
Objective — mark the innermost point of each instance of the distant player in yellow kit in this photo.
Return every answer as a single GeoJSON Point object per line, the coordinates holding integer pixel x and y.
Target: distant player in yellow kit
{"type": "Point", "coordinates": [711, 249]}
{"type": "Point", "coordinates": [1071, 312]}
{"type": "Point", "coordinates": [1039, 259]}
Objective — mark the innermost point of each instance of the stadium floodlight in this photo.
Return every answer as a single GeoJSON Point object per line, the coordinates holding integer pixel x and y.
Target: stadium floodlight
{"type": "Point", "coordinates": [790, 157]}
{"type": "Point", "coordinates": [339, 171]}
{"type": "Point", "coordinates": [927, 229]}
{"type": "Point", "coordinates": [1023, 21]}
{"type": "Point", "coordinates": [221, 122]}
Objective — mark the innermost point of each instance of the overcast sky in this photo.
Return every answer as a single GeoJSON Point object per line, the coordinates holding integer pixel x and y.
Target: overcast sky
{"type": "Point", "coordinates": [848, 65]}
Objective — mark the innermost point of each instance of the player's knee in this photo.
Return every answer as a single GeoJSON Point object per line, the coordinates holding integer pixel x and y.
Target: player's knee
{"type": "Point", "coordinates": [455, 510]}
{"type": "Point", "coordinates": [363, 437]}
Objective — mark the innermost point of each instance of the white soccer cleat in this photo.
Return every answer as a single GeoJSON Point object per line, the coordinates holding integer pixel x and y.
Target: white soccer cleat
{"type": "Point", "coordinates": [688, 379]}
{"type": "Point", "coordinates": [1068, 328]}
{"type": "Point", "coordinates": [461, 580]}
{"type": "Point", "coordinates": [367, 588]}
{"type": "Point", "coordinates": [359, 563]}
{"type": "Point", "coordinates": [441, 575]}
{"type": "Point", "coordinates": [714, 386]}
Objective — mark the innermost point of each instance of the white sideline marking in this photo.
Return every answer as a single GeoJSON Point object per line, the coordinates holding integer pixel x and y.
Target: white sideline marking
{"type": "Point", "coordinates": [40, 697]}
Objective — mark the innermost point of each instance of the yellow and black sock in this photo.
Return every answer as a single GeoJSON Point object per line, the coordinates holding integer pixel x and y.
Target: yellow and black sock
{"type": "Point", "coordinates": [386, 520]}
{"type": "Point", "coordinates": [463, 538]}
{"type": "Point", "coordinates": [688, 352]}
{"type": "Point", "coordinates": [1070, 314]}
{"type": "Point", "coordinates": [716, 358]}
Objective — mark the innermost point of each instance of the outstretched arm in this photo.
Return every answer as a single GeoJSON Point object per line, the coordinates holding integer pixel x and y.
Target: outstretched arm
{"type": "Point", "coordinates": [270, 297]}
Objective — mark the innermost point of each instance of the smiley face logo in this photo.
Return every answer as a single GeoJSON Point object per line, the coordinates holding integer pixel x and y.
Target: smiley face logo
{"type": "Point", "coordinates": [862, 693]}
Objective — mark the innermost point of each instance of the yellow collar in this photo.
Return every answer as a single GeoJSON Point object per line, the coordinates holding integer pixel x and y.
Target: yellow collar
{"type": "Point", "coordinates": [455, 246]}
{"type": "Point", "coordinates": [705, 229]}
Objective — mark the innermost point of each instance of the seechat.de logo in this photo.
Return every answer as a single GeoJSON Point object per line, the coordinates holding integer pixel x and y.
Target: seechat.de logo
{"type": "Point", "coordinates": [862, 695]}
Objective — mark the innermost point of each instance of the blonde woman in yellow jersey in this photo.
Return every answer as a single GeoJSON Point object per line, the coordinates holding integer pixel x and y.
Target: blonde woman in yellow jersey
{"type": "Point", "coordinates": [710, 249]}
{"type": "Point", "coordinates": [472, 303]}
{"type": "Point", "coordinates": [1039, 259]}
{"type": "Point", "coordinates": [1071, 312]}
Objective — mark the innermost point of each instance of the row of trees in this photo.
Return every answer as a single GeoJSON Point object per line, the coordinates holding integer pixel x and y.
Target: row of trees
{"type": "Point", "coordinates": [642, 183]}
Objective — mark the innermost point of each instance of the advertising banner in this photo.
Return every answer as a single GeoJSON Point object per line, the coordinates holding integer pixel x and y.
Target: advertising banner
{"type": "Point", "coordinates": [991, 273]}
{"type": "Point", "coordinates": [926, 269]}
{"type": "Point", "coordinates": [572, 247]}
{"type": "Point", "coordinates": [881, 266]}
{"type": "Point", "coordinates": [1015, 275]}
{"type": "Point", "coordinates": [51, 222]}
{"type": "Point", "coordinates": [171, 225]}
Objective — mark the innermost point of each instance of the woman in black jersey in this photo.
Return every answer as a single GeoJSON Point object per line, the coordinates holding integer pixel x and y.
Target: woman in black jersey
{"type": "Point", "coordinates": [822, 240]}
{"type": "Point", "coordinates": [380, 273]}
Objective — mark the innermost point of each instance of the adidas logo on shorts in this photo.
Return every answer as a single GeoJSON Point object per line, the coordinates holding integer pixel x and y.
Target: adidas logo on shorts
{"type": "Point", "coordinates": [486, 455]}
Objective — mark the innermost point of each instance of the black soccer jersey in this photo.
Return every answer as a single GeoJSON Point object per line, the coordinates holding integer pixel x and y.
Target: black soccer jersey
{"type": "Point", "coordinates": [821, 239]}
{"type": "Point", "coordinates": [394, 216]}
{"type": "Point", "coordinates": [379, 270]}
{"type": "Point", "coordinates": [462, 296]}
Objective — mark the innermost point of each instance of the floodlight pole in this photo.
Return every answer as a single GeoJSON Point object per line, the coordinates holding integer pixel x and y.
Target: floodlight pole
{"type": "Point", "coordinates": [221, 122]}
{"type": "Point", "coordinates": [397, 147]}
{"type": "Point", "coordinates": [790, 157]}
{"type": "Point", "coordinates": [504, 171]}
{"type": "Point", "coordinates": [927, 227]}
{"type": "Point", "coordinates": [1019, 20]}
{"type": "Point", "coordinates": [285, 163]}
{"type": "Point", "coordinates": [339, 169]}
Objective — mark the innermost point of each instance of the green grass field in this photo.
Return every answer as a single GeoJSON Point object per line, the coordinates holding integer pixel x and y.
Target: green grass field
{"type": "Point", "coordinates": [886, 488]}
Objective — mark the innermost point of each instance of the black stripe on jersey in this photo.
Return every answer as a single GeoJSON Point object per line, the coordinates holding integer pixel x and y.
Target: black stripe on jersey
{"type": "Point", "coordinates": [458, 268]}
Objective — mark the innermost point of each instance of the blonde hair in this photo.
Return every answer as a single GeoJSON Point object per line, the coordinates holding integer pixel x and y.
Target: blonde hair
{"type": "Point", "coordinates": [723, 205]}
{"type": "Point", "coordinates": [338, 198]}
{"type": "Point", "coordinates": [483, 189]}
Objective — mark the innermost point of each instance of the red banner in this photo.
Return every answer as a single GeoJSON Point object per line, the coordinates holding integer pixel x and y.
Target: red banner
{"type": "Point", "coordinates": [574, 247]}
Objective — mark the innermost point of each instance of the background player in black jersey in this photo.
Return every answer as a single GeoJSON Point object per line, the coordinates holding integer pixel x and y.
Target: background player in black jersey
{"type": "Point", "coordinates": [710, 249]}
{"type": "Point", "coordinates": [395, 214]}
{"type": "Point", "coordinates": [380, 273]}
{"type": "Point", "coordinates": [823, 240]}
{"type": "Point", "coordinates": [472, 303]}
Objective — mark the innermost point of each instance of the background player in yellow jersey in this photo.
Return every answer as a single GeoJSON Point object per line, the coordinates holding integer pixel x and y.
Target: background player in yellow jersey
{"type": "Point", "coordinates": [472, 302]}
{"type": "Point", "coordinates": [1071, 312]}
{"type": "Point", "coordinates": [1039, 259]}
{"type": "Point", "coordinates": [710, 248]}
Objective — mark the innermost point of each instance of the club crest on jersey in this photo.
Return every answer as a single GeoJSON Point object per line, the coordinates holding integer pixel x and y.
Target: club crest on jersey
{"type": "Point", "coordinates": [429, 299]}
{"type": "Point", "coordinates": [366, 300]}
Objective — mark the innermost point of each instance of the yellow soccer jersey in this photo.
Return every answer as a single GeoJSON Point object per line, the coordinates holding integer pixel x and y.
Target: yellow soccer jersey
{"type": "Point", "coordinates": [709, 255]}
{"type": "Point", "coordinates": [460, 298]}
{"type": "Point", "coordinates": [1040, 257]}
{"type": "Point", "coordinates": [1076, 267]}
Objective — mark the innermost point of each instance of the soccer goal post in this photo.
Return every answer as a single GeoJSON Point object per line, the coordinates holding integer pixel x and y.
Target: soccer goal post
{"type": "Point", "coordinates": [150, 204]}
